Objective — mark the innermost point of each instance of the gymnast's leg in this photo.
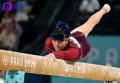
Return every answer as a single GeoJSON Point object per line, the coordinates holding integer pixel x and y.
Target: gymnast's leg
{"type": "Point", "coordinates": [87, 27]}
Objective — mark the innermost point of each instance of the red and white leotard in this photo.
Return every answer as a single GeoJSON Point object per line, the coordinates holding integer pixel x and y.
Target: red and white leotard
{"type": "Point", "coordinates": [77, 48]}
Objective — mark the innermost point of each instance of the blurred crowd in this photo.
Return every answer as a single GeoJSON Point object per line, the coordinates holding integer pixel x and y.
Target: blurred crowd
{"type": "Point", "coordinates": [11, 29]}
{"type": "Point", "coordinates": [86, 9]}
{"type": "Point", "coordinates": [89, 7]}
{"type": "Point", "coordinates": [10, 32]}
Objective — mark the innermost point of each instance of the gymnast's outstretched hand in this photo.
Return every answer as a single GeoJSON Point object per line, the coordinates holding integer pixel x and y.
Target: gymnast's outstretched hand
{"type": "Point", "coordinates": [51, 55]}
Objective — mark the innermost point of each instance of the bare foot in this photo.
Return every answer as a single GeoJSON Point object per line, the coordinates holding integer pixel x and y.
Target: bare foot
{"type": "Point", "coordinates": [107, 8]}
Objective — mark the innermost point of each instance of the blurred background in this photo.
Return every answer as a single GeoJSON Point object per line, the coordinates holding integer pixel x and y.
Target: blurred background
{"type": "Point", "coordinates": [25, 28]}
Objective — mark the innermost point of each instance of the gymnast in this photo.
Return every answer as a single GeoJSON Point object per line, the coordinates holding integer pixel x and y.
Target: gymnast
{"type": "Point", "coordinates": [72, 46]}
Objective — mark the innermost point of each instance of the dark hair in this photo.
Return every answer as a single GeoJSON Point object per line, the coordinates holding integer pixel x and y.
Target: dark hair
{"type": "Point", "coordinates": [61, 31]}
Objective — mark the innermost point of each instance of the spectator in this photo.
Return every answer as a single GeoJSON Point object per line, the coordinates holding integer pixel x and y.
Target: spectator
{"type": "Point", "coordinates": [6, 20]}
{"type": "Point", "coordinates": [86, 8]}
{"type": "Point", "coordinates": [21, 14]}
{"type": "Point", "coordinates": [7, 39]}
{"type": "Point", "coordinates": [89, 6]}
{"type": "Point", "coordinates": [17, 30]}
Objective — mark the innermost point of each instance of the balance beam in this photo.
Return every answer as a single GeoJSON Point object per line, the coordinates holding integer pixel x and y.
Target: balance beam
{"type": "Point", "coordinates": [42, 65]}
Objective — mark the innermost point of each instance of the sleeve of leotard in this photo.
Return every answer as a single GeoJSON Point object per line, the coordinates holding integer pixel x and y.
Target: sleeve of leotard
{"type": "Point", "coordinates": [71, 54]}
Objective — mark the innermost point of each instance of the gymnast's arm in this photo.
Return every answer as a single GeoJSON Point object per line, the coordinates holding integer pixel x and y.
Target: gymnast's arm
{"type": "Point", "coordinates": [71, 54]}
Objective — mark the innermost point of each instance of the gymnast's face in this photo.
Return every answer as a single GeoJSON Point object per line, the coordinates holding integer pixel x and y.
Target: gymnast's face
{"type": "Point", "coordinates": [59, 45]}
